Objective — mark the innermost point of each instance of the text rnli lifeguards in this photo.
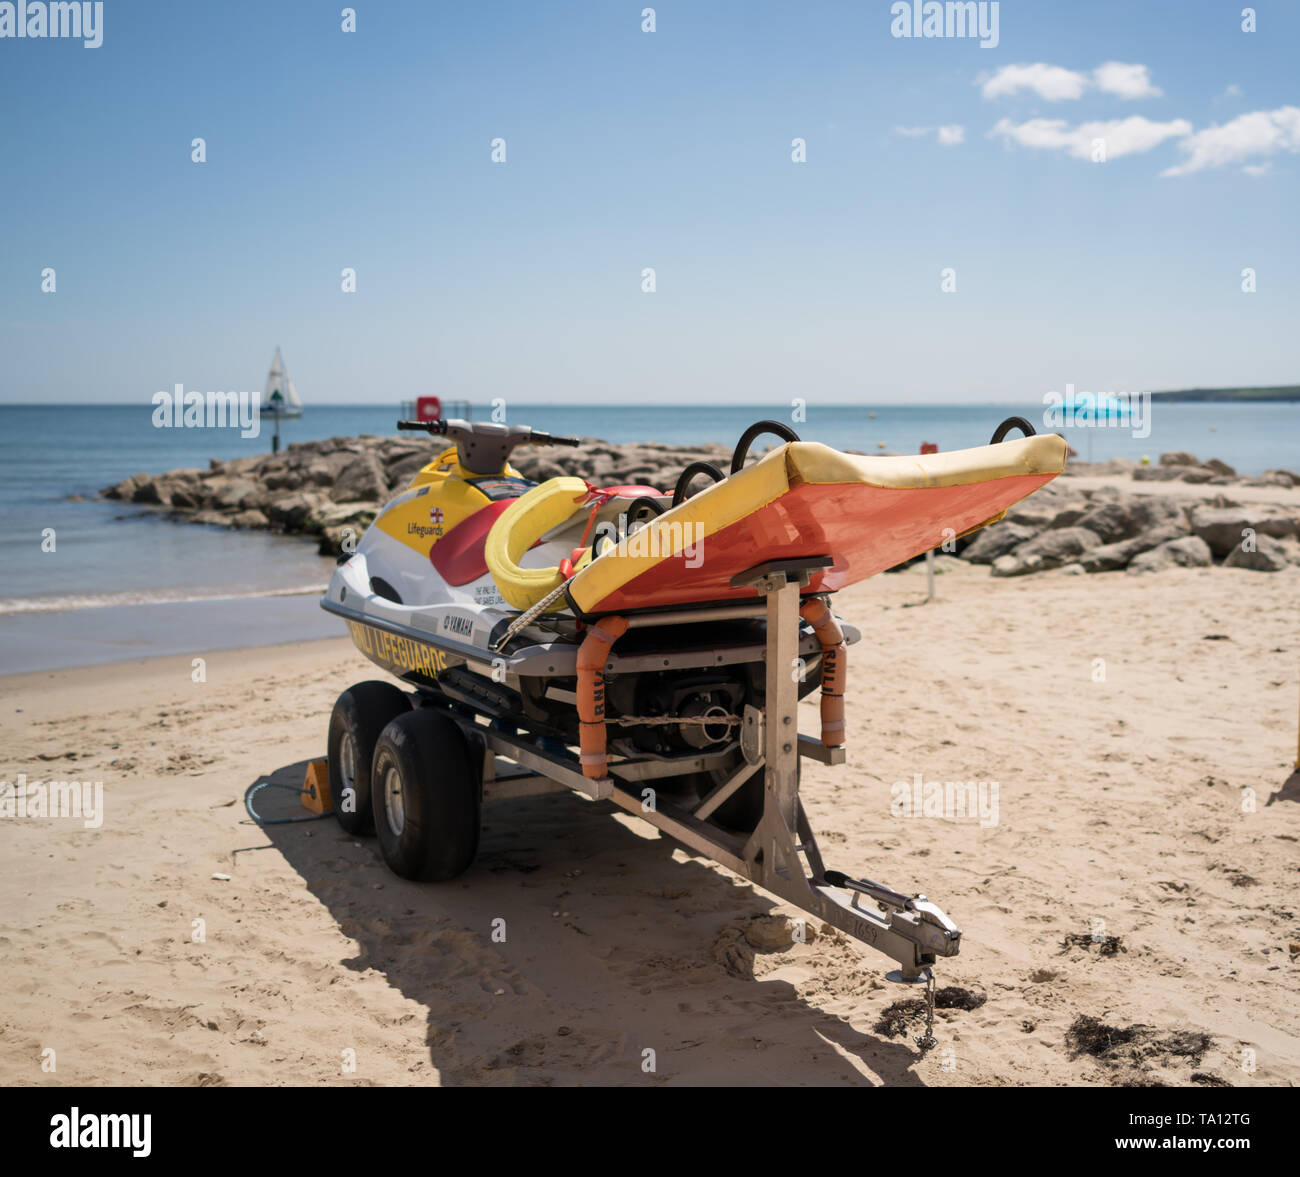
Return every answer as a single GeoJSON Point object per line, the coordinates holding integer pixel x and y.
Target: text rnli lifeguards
{"type": "Point", "coordinates": [402, 655]}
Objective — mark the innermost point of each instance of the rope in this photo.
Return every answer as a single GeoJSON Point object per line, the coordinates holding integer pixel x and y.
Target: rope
{"type": "Point", "coordinates": [278, 821]}
{"type": "Point", "coordinates": [525, 619]}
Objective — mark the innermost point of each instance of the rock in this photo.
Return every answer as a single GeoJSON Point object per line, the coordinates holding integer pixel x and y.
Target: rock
{"type": "Point", "coordinates": [252, 519]}
{"type": "Point", "coordinates": [327, 515]}
{"type": "Point", "coordinates": [212, 518]}
{"type": "Point", "coordinates": [1015, 565]}
{"type": "Point", "coordinates": [285, 479]}
{"type": "Point", "coordinates": [1058, 546]}
{"type": "Point", "coordinates": [237, 466]}
{"type": "Point", "coordinates": [1112, 557]}
{"type": "Point", "coordinates": [540, 469]}
{"type": "Point", "coordinates": [1224, 528]}
{"type": "Point", "coordinates": [1221, 467]}
{"type": "Point", "coordinates": [1190, 551]}
{"type": "Point", "coordinates": [1029, 516]}
{"type": "Point", "coordinates": [1072, 570]}
{"type": "Point", "coordinates": [292, 512]}
{"type": "Point", "coordinates": [361, 478]}
{"type": "Point", "coordinates": [1157, 511]}
{"type": "Point", "coordinates": [1110, 522]}
{"type": "Point", "coordinates": [126, 489]}
{"type": "Point", "coordinates": [231, 496]}
{"type": "Point", "coordinates": [1179, 458]}
{"type": "Point", "coordinates": [1268, 555]}
{"type": "Point", "coordinates": [1283, 477]}
{"type": "Point", "coordinates": [318, 474]}
{"type": "Point", "coordinates": [1196, 474]}
{"type": "Point", "coordinates": [400, 473]}
{"type": "Point", "coordinates": [997, 540]}
{"type": "Point", "coordinates": [149, 491]}
{"type": "Point", "coordinates": [1068, 517]}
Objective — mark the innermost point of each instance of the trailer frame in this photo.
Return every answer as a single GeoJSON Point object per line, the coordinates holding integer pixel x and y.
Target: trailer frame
{"type": "Point", "coordinates": [781, 855]}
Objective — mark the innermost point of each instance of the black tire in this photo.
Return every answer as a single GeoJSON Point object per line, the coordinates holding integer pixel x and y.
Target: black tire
{"type": "Point", "coordinates": [359, 715]}
{"type": "Point", "coordinates": [425, 797]}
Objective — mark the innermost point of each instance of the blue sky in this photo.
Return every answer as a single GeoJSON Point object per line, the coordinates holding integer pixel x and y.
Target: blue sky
{"type": "Point", "coordinates": [669, 150]}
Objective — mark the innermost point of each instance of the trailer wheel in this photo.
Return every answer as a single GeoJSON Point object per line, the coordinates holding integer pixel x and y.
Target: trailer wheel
{"type": "Point", "coordinates": [425, 797]}
{"type": "Point", "coordinates": [359, 715]}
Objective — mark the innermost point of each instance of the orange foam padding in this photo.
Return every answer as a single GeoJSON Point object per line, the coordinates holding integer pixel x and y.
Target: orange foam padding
{"type": "Point", "coordinates": [316, 796]}
{"type": "Point", "coordinates": [834, 669]}
{"type": "Point", "coordinates": [592, 655]}
{"type": "Point", "coordinates": [866, 530]}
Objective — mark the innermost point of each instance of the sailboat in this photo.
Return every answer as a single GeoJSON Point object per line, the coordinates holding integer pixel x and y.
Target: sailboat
{"type": "Point", "coordinates": [281, 397]}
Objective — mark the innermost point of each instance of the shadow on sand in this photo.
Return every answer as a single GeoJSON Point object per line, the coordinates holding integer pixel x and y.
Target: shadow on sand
{"type": "Point", "coordinates": [1290, 790]}
{"type": "Point", "coordinates": [613, 947]}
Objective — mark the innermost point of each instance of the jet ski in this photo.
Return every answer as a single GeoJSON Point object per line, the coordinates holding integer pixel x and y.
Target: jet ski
{"type": "Point", "coordinates": [643, 646]}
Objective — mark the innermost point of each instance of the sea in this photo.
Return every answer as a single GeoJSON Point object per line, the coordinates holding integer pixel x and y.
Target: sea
{"type": "Point", "coordinates": [87, 580]}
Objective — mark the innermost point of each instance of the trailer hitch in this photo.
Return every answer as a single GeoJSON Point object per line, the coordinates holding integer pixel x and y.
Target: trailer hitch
{"type": "Point", "coordinates": [937, 933]}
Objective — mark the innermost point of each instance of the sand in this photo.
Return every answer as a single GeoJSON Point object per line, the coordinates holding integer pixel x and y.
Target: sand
{"type": "Point", "coordinates": [1120, 799]}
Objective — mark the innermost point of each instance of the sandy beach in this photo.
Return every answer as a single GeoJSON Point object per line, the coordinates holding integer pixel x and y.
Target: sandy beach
{"type": "Point", "coordinates": [1140, 729]}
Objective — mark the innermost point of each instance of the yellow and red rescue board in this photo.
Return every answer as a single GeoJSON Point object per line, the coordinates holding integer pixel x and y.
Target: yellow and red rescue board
{"type": "Point", "coordinates": [806, 499]}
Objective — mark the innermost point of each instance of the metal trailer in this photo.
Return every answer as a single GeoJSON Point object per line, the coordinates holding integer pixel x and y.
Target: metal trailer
{"type": "Point", "coordinates": [781, 855]}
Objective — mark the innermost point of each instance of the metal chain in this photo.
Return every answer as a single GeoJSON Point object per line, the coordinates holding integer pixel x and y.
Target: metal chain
{"type": "Point", "coordinates": [927, 1040]}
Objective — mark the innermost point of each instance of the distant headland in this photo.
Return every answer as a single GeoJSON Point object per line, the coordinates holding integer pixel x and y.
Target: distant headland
{"type": "Point", "coordinates": [1281, 392]}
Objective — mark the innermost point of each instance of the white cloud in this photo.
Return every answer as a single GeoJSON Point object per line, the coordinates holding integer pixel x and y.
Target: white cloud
{"type": "Point", "coordinates": [948, 136]}
{"type": "Point", "coordinates": [1126, 81]}
{"type": "Point", "coordinates": [1055, 83]}
{"type": "Point", "coordinates": [1262, 132]}
{"type": "Point", "coordinates": [1050, 82]}
{"type": "Point", "coordinates": [1130, 136]}
{"type": "Point", "coordinates": [1258, 169]}
{"type": "Point", "coordinates": [1231, 90]}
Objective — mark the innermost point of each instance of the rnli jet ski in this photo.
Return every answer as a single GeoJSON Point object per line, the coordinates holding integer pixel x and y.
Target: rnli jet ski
{"type": "Point", "coordinates": [641, 646]}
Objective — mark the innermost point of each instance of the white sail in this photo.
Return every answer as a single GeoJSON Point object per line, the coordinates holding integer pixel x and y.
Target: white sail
{"type": "Point", "coordinates": [281, 397]}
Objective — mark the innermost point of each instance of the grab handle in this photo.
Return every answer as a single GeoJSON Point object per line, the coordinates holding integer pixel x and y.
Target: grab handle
{"type": "Point", "coordinates": [756, 430]}
{"type": "Point", "coordinates": [1000, 433]}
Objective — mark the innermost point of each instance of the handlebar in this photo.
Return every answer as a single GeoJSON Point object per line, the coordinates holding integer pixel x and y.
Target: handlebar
{"type": "Point", "coordinates": [540, 438]}
{"type": "Point", "coordinates": [484, 446]}
{"type": "Point", "coordinates": [439, 428]}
